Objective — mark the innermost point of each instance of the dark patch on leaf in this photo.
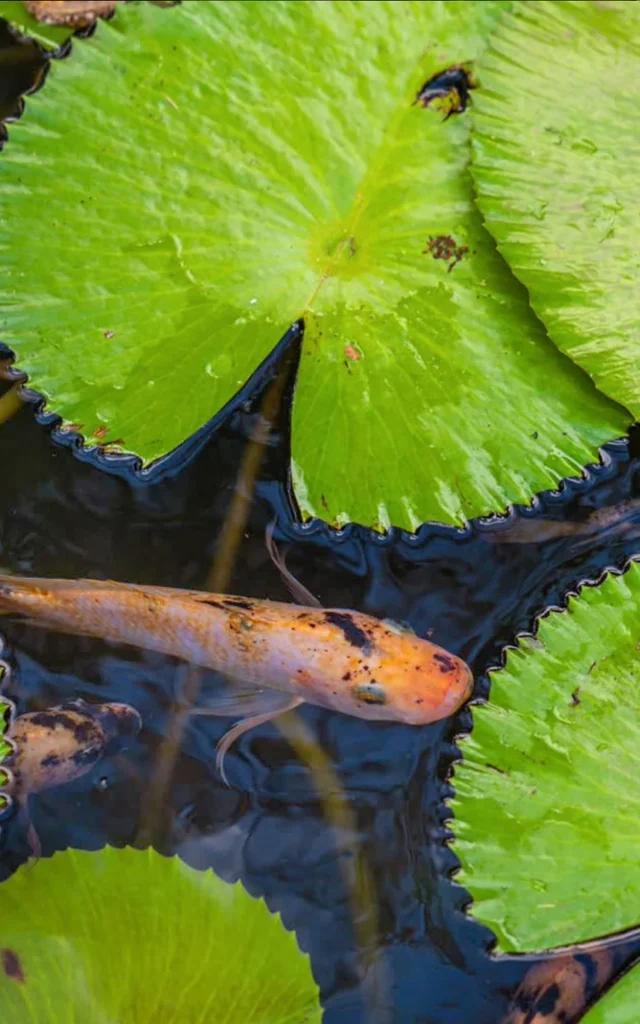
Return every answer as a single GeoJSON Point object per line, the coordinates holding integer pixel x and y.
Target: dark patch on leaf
{"type": "Point", "coordinates": [445, 247]}
{"type": "Point", "coordinates": [11, 965]}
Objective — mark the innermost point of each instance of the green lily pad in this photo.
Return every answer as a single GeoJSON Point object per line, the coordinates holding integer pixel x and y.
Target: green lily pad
{"type": "Point", "coordinates": [130, 936]}
{"type": "Point", "coordinates": [556, 160]}
{"type": "Point", "coordinates": [548, 794]}
{"type": "Point", "coordinates": [197, 179]}
{"type": "Point", "coordinates": [620, 1005]}
{"type": "Point", "coordinates": [49, 36]}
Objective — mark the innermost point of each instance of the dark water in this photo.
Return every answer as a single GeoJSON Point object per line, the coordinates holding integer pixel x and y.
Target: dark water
{"type": "Point", "coordinates": [68, 512]}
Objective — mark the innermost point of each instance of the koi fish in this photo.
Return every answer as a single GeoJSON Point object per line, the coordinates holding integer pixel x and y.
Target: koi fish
{"type": "Point", "coordinates": [539, 531]}
{"type": "Point", "coordinates": [60, 744]}
{"type": "Point", "coordinates": [336, 658]}
{"type": "Point", "coordinates": [559, 986]}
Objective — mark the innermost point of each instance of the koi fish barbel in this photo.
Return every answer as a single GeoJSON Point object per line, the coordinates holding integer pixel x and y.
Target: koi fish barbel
{"type": "Point", "coordinates": [282, 654]}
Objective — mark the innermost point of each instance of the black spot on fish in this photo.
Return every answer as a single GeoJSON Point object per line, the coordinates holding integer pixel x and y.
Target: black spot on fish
{"type": "Point", "coordinates": [346, 677]}
{"type": "Point", "coordinates": [88, 756]}
{"type": "Point", "coordinates": [50, 761]}
{"type": "Point", "coordinates": [419, 700]}
{"type": "Point", "coordinates": [353, 634]}
{"type": "Point", "coordinates": [238, 602]}
{"type": "Point", "coordinates": [52, 719]}
{"type": "Point", "coordinates": [370, 693]}
{"type": "Point", "coordinates": [547, 1002]}
{"type": "Point", "coordinates": [446, 663]}
{"type": "Point", "coordinates": [12, 965]}
{"type": "Point", "coordinates": [84, 731]}
{"type": "Point", "coordinates": [212, 602]}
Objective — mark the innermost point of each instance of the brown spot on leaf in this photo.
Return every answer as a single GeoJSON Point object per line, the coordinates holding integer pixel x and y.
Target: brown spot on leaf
{"type": "Point", "coordinates": [444, 247]}
{"type": "Point", "coordinates": [11, 965]}
{"type": "Point", "coordinates": [100, 433]}
{"type": "Point", "coordinates": [109, 335]}
{"type": "Point", "coordinates": [352, 353]}
{"type": "Point", "coordinates": [575, 697]}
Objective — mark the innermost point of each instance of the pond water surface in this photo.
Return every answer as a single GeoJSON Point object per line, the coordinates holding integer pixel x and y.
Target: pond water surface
{"type": "Point", "coordinates": [65, 512]}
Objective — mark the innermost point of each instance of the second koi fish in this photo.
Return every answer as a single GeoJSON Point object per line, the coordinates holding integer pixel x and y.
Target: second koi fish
{"type": "Point", "coordinates": [339, 659]}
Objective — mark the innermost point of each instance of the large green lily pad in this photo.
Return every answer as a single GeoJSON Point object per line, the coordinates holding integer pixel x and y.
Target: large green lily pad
{"type": "Point", "coordinates": [130, 936]}
{"type": "Point", "coordinates": [194, 180]}
{"type": "Point", "coordinates": [556, 165]}
{"type": "Point", "coordinates": [548, 794]}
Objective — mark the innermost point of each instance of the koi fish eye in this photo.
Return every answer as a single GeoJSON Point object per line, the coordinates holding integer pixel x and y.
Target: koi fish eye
{"type": "Point", "coordinates": [370, 693]}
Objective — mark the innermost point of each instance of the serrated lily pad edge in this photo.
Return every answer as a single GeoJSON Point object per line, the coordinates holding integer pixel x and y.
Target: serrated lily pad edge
{"type": "Point", "coordinates": [122, 462]}
{"type": "Point", "coordinates": [448, 801]}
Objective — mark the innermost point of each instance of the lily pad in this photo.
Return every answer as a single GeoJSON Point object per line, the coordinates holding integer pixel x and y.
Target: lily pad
{"type": "Point", "coordinates": [620, 1005]}
{"type": "Point", "coordinates": [51, 37]}
{"type": "Point", "coordinates": [130, 936]}
{"type": "Point", "coordinates": [556, 159]}
{"type": "Point", "coordinates": [197, 179]}
{"type": "Point", "coordinates": [548, 806]}
{"type": "Point", "coordinates": [548, 794]}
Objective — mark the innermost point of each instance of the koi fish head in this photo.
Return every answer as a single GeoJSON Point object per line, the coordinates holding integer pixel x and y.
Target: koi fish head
{"type": "Point", "coordinates": [419, 685]}
{"type": "Point", "coordinates": [115, 719]}
{"type": "Point", "coordinates": [60, 744]}
{"type": "Point", "coordinates": [388, 673]}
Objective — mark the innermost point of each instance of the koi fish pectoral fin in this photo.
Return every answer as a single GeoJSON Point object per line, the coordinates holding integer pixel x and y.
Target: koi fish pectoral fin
{"type": "Point", "coordinates": [294, 586]}
{"type": "Point", "coordinates": [237, 702]}
{"type": "Point", "coordinates": [245, 725]}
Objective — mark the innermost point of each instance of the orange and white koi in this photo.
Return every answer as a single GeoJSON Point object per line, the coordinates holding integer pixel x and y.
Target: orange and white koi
{"type": "Point", "coordinates": [60, 744]}
{"type": "Point", "coordinates": [336, 658]}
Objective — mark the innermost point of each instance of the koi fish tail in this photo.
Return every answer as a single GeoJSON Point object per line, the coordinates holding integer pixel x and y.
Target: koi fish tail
{"type": "Point", "coordinates": [295, 588]}
{"type": "Point", "coordinates": [558, 987]}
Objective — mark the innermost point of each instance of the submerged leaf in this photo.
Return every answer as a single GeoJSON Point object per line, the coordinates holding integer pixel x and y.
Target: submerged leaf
{"type": "Point", "coordinates": [130, 936]}
{"type": "Point", "coordinates": [265, 162]}
{"type": "Point", "coordinates": [548, 794]}
{"type": "Point", "coordinates": [556, 163]}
